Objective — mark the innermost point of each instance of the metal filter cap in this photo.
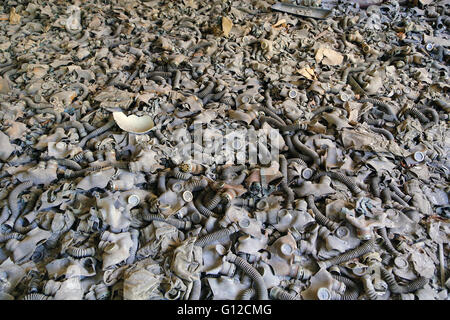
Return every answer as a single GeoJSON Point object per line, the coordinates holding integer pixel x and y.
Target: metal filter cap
{"type": "Point", "coordinates": [343, 96]}
{"type": "Point", "coordinates": [292, 94]}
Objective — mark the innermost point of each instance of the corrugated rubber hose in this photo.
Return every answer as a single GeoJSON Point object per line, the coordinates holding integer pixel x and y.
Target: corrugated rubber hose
{"type": "Point", "coordinates": [320, 218]}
